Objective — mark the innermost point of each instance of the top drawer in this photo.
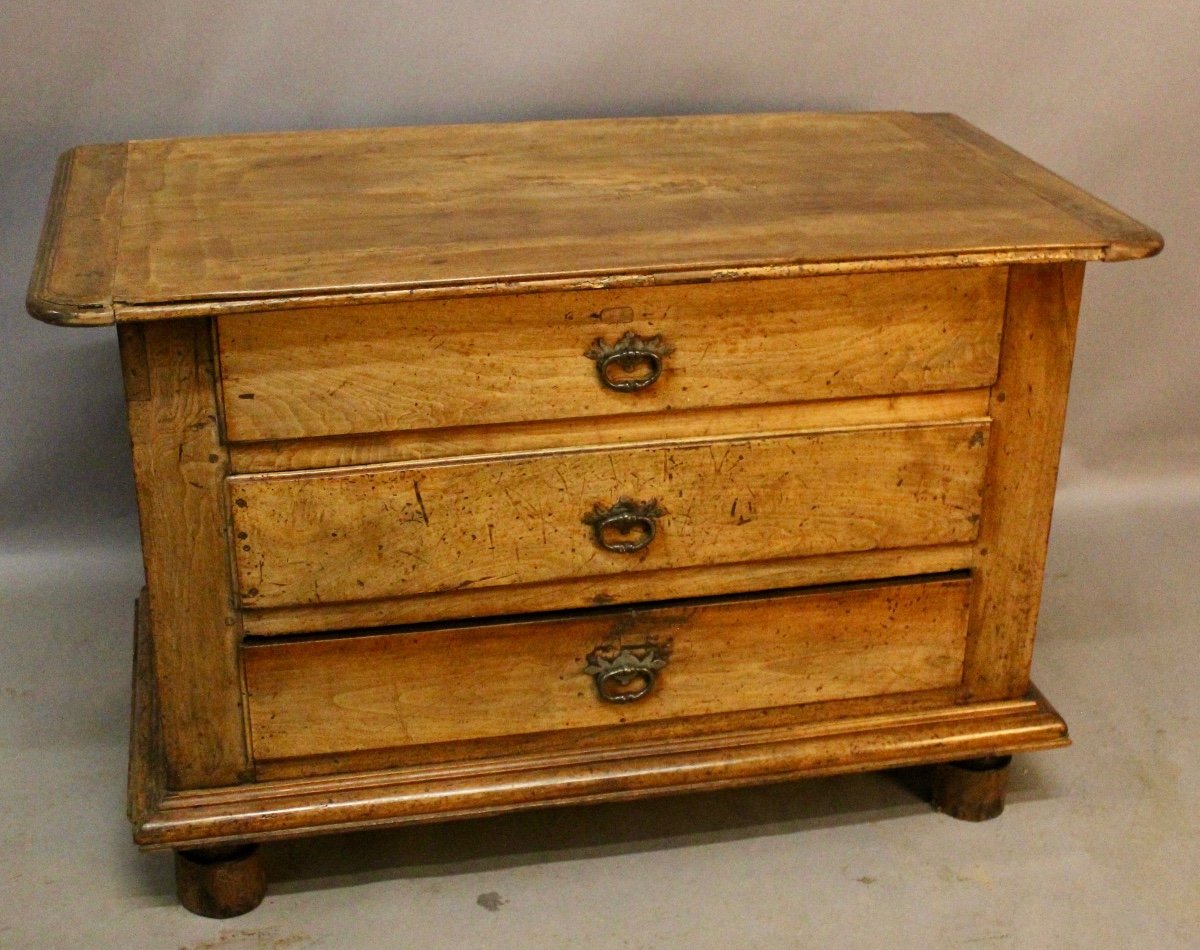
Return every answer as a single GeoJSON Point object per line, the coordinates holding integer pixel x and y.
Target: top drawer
{"type": "Point", "coordinates": [471, 361]}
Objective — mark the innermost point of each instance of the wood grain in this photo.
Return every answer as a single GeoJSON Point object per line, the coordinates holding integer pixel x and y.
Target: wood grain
{"type": "Point", "coordinates": [76, 259]}
{"type": "Point", "coordinates": [1127, 239]}
{"type": "Point", "coordinates": [288, 808]}
{"type": "Point", "coordinates": [440, 363]}
{"type": "Point", "coordinates": [140, 313]}
{"type": "Point", "coordinates": [700, 581]}
{"type": "Point", "coordinates": [970, 405]}
{"type": "Point", "coordinates": [379, 531]}
{"type": "Point", "coordinates": [1028, 407]}
{"type": "Point", "coordinates": [221, 882]}
{"type": "Point", "coordinates": [145, 783]}
{"type": "Point", "coordinates": [720, 729]}
{"type": "Point", "coordinates": [973, 790]}
{"type": "Point", "coordinates": [316, 697]}
{"type": "Point", "coordinates": [267, 216]}
{"type": "Point", "coordinates": [179, 467]}
{"type": "Point", "coordinates": [414, 436]}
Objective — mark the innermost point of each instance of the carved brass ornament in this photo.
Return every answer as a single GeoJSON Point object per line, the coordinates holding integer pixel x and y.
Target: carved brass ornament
{"type": "Point", "coordinates": [628, 354]}
{"type": "Point", "coordinates": [618, 668]}
{"type": "Point", "coordinates": [626, 517]}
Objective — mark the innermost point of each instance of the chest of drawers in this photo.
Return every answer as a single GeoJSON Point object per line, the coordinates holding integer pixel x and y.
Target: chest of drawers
{"type": "Point", "coordinates": [491, 467]}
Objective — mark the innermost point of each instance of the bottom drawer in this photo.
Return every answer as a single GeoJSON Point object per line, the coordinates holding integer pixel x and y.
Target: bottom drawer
{"type": "Point", "coordinates": [349, 694]}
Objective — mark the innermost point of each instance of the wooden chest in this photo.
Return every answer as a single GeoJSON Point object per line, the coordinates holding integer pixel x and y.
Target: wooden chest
{"type": "Point", "coordinates": [488, 467]}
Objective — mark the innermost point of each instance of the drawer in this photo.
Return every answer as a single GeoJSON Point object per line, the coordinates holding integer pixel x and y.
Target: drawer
{"type": "Point", "coordinates": [443, 363]}
{"type": "Point", "coordinates": [370, 532]}
{"type": "Point", "coordinates": [355, 693]}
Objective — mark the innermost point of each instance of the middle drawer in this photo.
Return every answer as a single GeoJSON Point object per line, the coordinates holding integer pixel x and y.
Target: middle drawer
{"type": "Point", "coordinates": [378, 531]}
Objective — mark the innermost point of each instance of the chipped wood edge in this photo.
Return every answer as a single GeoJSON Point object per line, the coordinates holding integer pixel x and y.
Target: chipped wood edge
{"type": "Point", "coordinates": [1122, 238]}
{"type": "Point", "coordinates": [95, 207]}
{"type": "Point", "coordinates": [84, 211]}
{"type": "Point", "coordinates": [289, 808]}
{"type": "Point", "coordinates": [631, 430]}
{"type": "Point", "coordinates": [168, 310]}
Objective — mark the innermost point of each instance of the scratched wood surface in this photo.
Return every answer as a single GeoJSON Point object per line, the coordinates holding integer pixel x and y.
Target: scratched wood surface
{"type": "Point", "coordinates": [179, 465]}
{"type": "Point", "coordinates": [597, 431]}
{"type": "Point", "coordinates": [265, 215]}
{"type": "Point", "coordinates": [377, 531]}
{"type": "Point", "coordinates": [440, 363]}
{"type": "Point", "coordinates": [315, 697]}
{"type": "Point", "coordinates": [600, 590]}
{"type": "Point", "coordinates": [263, 221]}
{"type": "Point", "coordinates": [1029, 406]}
{"type": "Point", "coordinates": [77, 255]}
{"type": "Point", "coordinates": [403, 317]}
{"type": "Point", "coordinates": [489, 776]}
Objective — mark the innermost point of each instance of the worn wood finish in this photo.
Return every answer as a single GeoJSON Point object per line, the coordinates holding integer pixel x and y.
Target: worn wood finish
{"type": "Point", "coordinates": [601, 590]}
{"type": "Point", "coordinates": [973, 790]}
{"type": "Point", "coordinates": [440, 363]}
{"type": "Point", "coordinates": [970, 405]}
{"type": "Point", "coordinates": [382, 531]}
{"type": "Point", "coordinates": [286, 808]}
{"type": "Point", "coordinates": [690, 731]}
{"type": "Point", "coordinates": [77, 255]}
{"type": "Point", "coordinates": [706, 752]}
{"type": "Point", "coordinates": [415, 436]}
{"type": "Point", "coordinates": [314, 697]}
{"type": "Point", "coordinates": [1127, 239]}
{"type": "Point", "coordinates": [220, 882]}
{"type": "Point", "coordinates": [262, 221]}
{"type": "Point", "coordinates": [146, 783]}
{"type": "Point", "coordinates": [259, 216]}
{"type": "Point", "coordinates": [180, 465]}
{"type": "Point", "coordinates": [1028, 408]}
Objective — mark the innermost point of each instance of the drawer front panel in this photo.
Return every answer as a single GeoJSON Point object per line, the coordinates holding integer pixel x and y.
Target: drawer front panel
{"type": "Point", "coordinates": [445, 363]}
{"type": "Point", "coordinates": [347, 694]}
{"type": "Point", "coordinates": [359, 534]}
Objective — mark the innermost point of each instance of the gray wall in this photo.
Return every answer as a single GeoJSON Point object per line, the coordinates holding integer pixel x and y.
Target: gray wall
{"type": "Point", "coordinates": [1106, 93]}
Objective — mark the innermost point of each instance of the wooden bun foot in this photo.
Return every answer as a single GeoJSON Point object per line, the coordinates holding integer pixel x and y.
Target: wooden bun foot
{"type": "Point", "coordinates": [972, 790]}
{"type": "Point", "coordinates": [220, 882]}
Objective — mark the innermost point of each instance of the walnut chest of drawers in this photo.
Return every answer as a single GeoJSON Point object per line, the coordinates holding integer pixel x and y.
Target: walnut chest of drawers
{"type": "Point", "coordinates": [488, 467]}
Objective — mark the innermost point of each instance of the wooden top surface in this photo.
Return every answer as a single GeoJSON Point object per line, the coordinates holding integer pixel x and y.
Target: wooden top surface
{"type": "Point", "coordinates": [179, 227]}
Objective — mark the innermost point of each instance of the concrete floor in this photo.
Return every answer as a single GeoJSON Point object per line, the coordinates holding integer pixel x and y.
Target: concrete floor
{"type": "Point", "coordinates": [1097, 849]}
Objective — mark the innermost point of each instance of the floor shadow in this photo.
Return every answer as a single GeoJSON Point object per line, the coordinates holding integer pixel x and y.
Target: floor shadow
{"type": "Point", "coordinates": [574, 833]}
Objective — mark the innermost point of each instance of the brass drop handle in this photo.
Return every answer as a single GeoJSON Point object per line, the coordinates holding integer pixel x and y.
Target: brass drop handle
{"type": "Point", "coordinates": [627, 674]}
{"type": "Point", "coordinates": [627, 517]}
{"type": "Point", "coordinates": [629, 354]}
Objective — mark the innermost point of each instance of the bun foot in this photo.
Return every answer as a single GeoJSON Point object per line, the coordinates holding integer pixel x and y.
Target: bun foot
{"type": "Point", "coordinates": [220, 882]}
{"type": "Point", "coordinates": [972, 790]}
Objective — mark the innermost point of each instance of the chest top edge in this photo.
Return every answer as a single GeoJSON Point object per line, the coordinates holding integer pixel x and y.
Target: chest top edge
{"type": "Point", "coordinates": [159, 229]}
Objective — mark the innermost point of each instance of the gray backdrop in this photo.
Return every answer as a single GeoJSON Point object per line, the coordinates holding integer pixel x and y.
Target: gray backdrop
{"type": "Point", "coordinates": [1105, 93]}
{"type": "Point", "coordinates": [1094, 851]}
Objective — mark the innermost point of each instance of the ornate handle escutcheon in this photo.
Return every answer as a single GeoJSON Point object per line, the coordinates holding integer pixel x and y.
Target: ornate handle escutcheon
{"type": "Point", "coordinates": [629, 354]}
{"type": "Point", "coordinates": [627, 517]}
{"type": "Point", "coordinates": [626, 674]}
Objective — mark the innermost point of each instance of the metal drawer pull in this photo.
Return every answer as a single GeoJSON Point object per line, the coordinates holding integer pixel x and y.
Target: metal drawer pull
{"type": "Point", "coordinates": [628, 675]}
{"type": "Point", "coordinates": [627, 354]}
{"type": "Point", "coordinates": [624, 518]}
